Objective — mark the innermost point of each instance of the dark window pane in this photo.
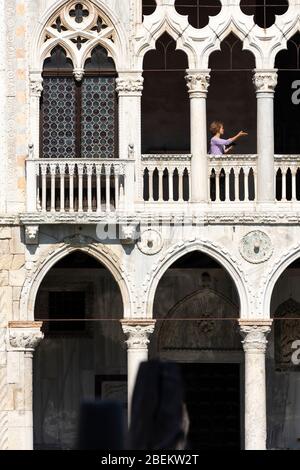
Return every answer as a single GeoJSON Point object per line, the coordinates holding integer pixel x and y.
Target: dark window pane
{"type": "Point", "coordinates": [58, 62]}
{"type": "Point", "coordinates": [58, 113]}
{"type": "Point", "coordinates": [99, 61]}
{"type": "Point", "coordinates": [98, 116]}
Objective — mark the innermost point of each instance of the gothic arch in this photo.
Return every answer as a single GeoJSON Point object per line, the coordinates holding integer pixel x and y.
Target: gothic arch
{"type": "Point", "coordinates": [212, 305]}
{"type": "Point", "coordinates": [271, 278]}
{"type": "Point", "coordinates": [117, 47]}
{"type": "Point", "coordinates": [216, 252]}
{"type": "Point", "coordinates": [100, 252]}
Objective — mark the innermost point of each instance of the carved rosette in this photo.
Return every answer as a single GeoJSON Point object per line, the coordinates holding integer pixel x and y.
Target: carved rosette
{"type": "Point", "coordinates": [197, 84]}
{"type": "Point", "coordinates": [24, 339]}
{"type": "Point", "coordinates": [255, 337]}
{"type": "Point", "coordinates": [129, 86]}
{"type": "Point", "coordinates": [256, 247]}
{"type": "Point", "coordinates": [36, 86]}
{"type": "Point", "coordinates": [138, 334]}
{"type": "Point", "coordinates": [265, 81]}
{"type": "Point", "coordinates": [150, 242]}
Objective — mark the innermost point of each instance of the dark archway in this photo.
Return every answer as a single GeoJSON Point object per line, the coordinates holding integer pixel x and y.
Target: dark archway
{"type": "Point", "coordinates": [231, 94]}
{"type": "Point", "coordinates": [287, 99]}
{"type": "Point", "coordinates": [283, 361]}
{"type": "Point", "coordinates": [165, 101]}
{"type": "Point", "coordinates": [196, 308]}
{"type": "Point", "coordinates": [82, 354]}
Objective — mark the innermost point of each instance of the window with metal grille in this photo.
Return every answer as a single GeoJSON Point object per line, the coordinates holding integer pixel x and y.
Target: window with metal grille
{"type": "Point", "coordinates": [264, 11]}
{"type": "Point", "coordinates": [79, 119]}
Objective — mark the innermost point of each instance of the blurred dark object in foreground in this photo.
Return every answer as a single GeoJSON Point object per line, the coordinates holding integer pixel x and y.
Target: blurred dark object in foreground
{"type": "Point", "coordinates": [158, 417]}
{"type": "Point", "coordinates": [101, 426]}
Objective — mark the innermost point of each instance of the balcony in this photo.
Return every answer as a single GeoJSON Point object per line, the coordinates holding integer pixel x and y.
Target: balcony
{"type": "Point", "coordinates": [84, 189]}
{"type": "Point", "coordinates": [78, 186]}
{"type": "Point", "coordinates": [167, 178]}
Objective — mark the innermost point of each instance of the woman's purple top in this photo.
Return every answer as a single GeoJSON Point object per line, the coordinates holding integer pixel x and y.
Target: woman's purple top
{"type": "Point", "coordinates": [217, 145]}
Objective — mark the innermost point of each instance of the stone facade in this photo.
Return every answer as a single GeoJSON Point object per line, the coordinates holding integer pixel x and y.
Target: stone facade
{"type": "Point", "coordinates": [254, 242]}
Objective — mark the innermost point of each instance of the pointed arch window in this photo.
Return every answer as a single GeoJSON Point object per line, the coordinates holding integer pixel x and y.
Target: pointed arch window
{"type": "Point", "coordinates": [79, 118]}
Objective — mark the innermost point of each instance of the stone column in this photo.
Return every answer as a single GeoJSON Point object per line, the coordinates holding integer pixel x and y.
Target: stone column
{"type": "Point", "coordinates": [255, 344]}
{"type": "Point", "coordinates": [198, 83]}
{"type": "Point", "coordinates": [36, 88]}
{"type": "Point", "coordinates": [23, 338]}
{"type": "Point", "coordinates": [265, 82]}
{"type": "Point", "coordinates": [137, 333]}
{"type": "Point", "coordinates": [130, 87]}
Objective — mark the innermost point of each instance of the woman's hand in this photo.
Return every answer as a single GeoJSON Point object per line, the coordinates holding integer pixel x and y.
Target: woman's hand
{"type": "Point", "coordinates": [228, 149]}
{"type": "Point", "coordinates": [242, 133]}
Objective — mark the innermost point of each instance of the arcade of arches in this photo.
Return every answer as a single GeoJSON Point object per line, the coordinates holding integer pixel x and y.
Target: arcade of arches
{"type": "Point", "coordinates": [196, 307]}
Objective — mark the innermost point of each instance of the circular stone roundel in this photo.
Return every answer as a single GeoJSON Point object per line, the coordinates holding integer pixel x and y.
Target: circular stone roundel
{"type": "Point", "coordinates": [256, 247]}
{"type": "Point", "coordinates": [150, 242]}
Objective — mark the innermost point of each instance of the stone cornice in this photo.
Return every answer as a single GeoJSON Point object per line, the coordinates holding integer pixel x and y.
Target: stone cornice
{"type": "Point", "coordinates": [244, 214]}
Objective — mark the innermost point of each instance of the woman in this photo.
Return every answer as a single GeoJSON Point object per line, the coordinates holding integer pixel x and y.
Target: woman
{"type": "Point", "coordinates": [219, 146]}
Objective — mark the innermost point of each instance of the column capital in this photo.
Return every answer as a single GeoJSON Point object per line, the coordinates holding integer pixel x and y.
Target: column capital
{"type": "Point", "coordinates": [129, 83]}
{"type": "Point", "coordinates": [36, 85]}
{"type": "Point", "coordinates": [24, 336]}
{"type": "Point", "coordinates": [265, 81]}
{"type": "Point", "coordinates": [255, 335]}
{"type": "Point", "coordinates": [197, 82]}
{"type": "Point", "coordinates": [138, 333]}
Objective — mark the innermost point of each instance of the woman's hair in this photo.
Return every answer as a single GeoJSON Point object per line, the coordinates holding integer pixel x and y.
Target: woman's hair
{"type": "Point", "coordinates": [215, 127]}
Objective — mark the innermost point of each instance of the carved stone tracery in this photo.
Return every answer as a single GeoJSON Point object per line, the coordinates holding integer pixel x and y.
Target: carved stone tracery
{"type": "Point", "coordinates": [77, 27]}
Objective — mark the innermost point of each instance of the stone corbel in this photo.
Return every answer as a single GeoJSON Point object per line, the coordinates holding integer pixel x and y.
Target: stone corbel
{"type": "Point", "coordinates": [78, 74]}
{"type": "Point", "coordinates": [31, 234]}
{"type": "Point", "coordinates": [128, 234]}
{"type": "Point", "coordinates": [24, 336]}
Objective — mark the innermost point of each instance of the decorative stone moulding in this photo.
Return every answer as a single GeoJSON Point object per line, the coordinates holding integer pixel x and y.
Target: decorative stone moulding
{"type": "Point", "coordinates": [24, 336]}
{"type": "Point", "coordinates": [78, 27]}
{"type": "Point", "coordinates": [31, 234]}
{"type": "Point", "coordinates": [150, 242]}
{"type": "Point", "coordinates": [256, 247]}
{"type": "Point", "coordinates": [128, 234]}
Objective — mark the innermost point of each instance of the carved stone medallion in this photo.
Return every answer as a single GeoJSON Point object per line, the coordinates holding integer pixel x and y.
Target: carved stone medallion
{"type": "Point", "coordinates": [256, 247]}
{"type": "Point", "coordinates": [150, 242]}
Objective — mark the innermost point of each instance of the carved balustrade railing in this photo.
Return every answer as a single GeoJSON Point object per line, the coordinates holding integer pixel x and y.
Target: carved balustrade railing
{"type": "Point", "coordinates": [78, 185]}
{"type": "Point", "coordinates": [287, 178]}
{"type": "Point", "coordinates": [166, 178]}
{"type": "Point", "coordinates": [232, 178]}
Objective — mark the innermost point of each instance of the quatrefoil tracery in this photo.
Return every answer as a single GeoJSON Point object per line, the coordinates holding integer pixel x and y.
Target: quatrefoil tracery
{"type": "Point", "coordinates": [78, 27]}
